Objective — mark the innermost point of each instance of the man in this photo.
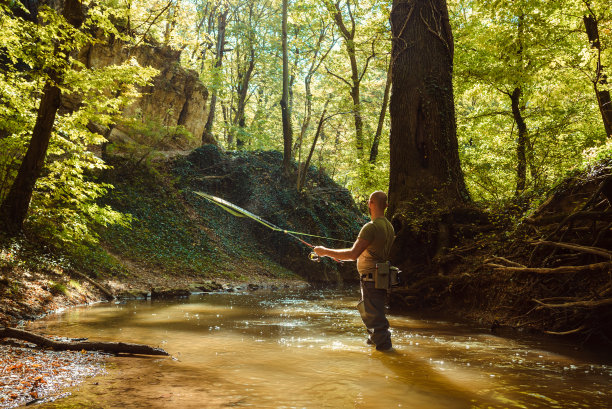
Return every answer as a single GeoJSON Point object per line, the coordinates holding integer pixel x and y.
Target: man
{"type": "Point", "coordinates": [371, 247]}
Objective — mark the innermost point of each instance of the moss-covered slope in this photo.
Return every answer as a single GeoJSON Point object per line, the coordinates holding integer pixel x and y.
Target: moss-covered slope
{"type": "Point", "coordinates": [175, 231]}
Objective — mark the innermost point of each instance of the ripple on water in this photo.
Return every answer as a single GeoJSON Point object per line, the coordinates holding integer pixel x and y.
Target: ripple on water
{"type": "Point", "coordinates": [307, 350]}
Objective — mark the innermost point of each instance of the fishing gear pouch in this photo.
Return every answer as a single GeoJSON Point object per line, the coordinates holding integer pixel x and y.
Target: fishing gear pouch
{"type": "Point", "coordinates": [395, 277]}
{"type": "Point", "coordinates": [381, 278]}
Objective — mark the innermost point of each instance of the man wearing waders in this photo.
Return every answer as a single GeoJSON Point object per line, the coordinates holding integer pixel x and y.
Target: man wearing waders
{"type": "Point", "coordinates": [372, 247]}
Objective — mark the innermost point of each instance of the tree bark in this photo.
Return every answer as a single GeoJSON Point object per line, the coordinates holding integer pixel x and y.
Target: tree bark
{"type": "Point", "coordinates": [14, 208]}
{"type": "Point", "coordinates": [603, 96]}
{"type": "Point", "coordinates": [381, 118]}
{"type": "Point", "coordinates": [304, 171]}
{"type": "Point", "coordinates": [110, 347]}
{"type": "Point", "coordinates": [284, 102]}
{"type": "Point", "coordinates": [521, 145]}
{"type": "Point", "coordinates": [349, 41]}
{"type": "Point", "coordinates": [207, 136]}
{"type": "Point", "coordinates": [424, 160]}
{"type": "Point", "coordinates": [242, 91]}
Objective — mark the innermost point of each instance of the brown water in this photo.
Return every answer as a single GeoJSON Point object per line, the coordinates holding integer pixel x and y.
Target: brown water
{"type": "Point", "coordinates": [306, 349]}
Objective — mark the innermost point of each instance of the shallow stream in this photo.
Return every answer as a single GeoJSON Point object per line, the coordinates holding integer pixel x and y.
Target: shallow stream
{"type": "Point", "coordinates": [306, 349]}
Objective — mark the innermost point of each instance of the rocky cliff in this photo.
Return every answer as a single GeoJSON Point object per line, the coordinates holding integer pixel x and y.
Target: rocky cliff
{"type": "Point", "coordinates": [176, 96]}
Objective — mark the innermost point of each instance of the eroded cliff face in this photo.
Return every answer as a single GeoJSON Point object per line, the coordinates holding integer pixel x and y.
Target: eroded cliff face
{"type": "Point", "coordinates": [176, 96]}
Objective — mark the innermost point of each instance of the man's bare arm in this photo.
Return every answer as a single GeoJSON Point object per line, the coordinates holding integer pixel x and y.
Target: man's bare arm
{"type": "Point", "coordinates": [344, 254]}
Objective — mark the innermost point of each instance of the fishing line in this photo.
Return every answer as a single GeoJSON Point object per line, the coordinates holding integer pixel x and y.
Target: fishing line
{"type": "Point", "coordinates": [240, 212]}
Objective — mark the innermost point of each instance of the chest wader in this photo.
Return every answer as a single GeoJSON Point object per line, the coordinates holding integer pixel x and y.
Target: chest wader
{"type": "Point", "coordinates": [372, 306]}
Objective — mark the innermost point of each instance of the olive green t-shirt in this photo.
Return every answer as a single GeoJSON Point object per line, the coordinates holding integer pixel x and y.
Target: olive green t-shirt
{"type": "Point", "coordinates": [380, 234]}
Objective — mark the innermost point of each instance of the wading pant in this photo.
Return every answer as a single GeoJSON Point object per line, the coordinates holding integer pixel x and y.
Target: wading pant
{"type": "Point", "coordinates": [372, 310]}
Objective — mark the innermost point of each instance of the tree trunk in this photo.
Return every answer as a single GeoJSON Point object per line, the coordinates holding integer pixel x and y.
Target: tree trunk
{"type": "Point", "coordinates": [243, 89]}
{"type": "Point", "coordinates": [207, 136]}
{"type": "Point", "coordinates": [304, 170]}
{"type": "Point", "coordinates": [14, 208]}
{"type": "Point", "coordinates": [424, 160]}
{"type": "Point", "coordinates": [603, 96]}
{"type": "Point", "coordinates": [381, 118]}
{"type": "Point", "coordinates": [284, 102]}
{"type": "Point", "coordinates": [349, 41]}
{"type": "Point", "coordinates": [521, 145]}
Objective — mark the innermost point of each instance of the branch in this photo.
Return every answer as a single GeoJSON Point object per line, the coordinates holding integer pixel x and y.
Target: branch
{"type": "Point", "coordinates": [337, 76]}
{"type": "Point", "coordinates": [110, 347]}
{"type": "Point", "coordinates": [152, 22]}
{"type": "Point", "coordinates": [583, 249]}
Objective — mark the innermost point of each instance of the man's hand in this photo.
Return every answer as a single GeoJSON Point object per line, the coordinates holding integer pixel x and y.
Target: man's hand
{"type": "Point", "coordinates": [343, 254]}
{"type": "Point", "coordinates": [319, 251]}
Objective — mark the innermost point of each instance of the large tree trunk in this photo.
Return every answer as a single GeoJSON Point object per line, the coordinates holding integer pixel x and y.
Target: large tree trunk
{"type": "Point", "coordinates": [14, 208]}
{"type": "Point", "coordinates": [424, 162]}
{"type": "Point", "coordinates": [284, 102]}
{"type": "Point", "coordinates": [207, 136]}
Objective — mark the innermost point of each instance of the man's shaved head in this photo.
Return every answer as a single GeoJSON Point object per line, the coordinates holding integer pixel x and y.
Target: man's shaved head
{"type": "Point", "coordinates": [379, 198]}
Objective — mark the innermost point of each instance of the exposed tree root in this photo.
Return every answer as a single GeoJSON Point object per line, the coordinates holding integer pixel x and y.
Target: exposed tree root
{"type": "Point", "coordinates": [556, 270]}
{"type": "Point", "coordinates": [110, 347]}
{"type": "Point", "coordinates": [503, 260]}
{"type": "Point", "coordinates": [573, 331]}
{"type": "Point", "coordinates": [584, 249]}
{"type": "Point", "coordinates": [585, 304]}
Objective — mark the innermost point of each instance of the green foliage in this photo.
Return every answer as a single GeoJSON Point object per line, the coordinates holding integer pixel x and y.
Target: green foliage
{"type": "Point", "coordinates": [57, 288]}
{"type": "Point", "coordinates": [64, 203]}
{"type": "Point", "coordinates": [144, 137]}
{"type": "Point", "coordinates": [546, 55]}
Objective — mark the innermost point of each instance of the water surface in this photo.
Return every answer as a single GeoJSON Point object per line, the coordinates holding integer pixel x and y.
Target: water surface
{"type": "Point", "coordinates": [306, 349]}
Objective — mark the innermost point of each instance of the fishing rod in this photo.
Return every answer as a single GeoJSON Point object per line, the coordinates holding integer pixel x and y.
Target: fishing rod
{"type": "Point", "coordinates": [240, 212]}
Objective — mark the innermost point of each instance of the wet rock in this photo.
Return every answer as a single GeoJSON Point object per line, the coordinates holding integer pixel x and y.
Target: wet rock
{"type": "Point", "coordinates": [207, 286]}
{"type": "Point", "coordinates": [253, 287]}
{"type": "Point", "coordinates": [132, 295]}
{"type": "Point", "coordinates": [163, 292]}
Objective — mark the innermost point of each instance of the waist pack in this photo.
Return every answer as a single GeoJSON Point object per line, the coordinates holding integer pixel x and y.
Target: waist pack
{"type": "Point", "coordinates": [386, 276]}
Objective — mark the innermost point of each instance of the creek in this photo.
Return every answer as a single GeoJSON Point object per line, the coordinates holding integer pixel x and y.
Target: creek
{"type": "Point", "coordinates": [306, 349]}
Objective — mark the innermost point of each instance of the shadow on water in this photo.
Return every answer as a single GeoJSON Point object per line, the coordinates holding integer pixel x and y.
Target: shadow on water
{"type": "Point", "coordinates": [306, 349]}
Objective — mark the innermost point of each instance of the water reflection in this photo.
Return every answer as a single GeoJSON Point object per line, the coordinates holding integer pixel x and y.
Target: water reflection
{"type": "Point", "coordinates": [307, 350]}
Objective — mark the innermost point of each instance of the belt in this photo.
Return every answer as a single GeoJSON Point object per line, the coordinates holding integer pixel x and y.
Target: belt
{"type": "Point", "coordinates": [367, 277]}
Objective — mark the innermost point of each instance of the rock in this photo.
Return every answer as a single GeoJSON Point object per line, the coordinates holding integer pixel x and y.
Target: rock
{"type": "Point", "coordinates": [132, 295]}
{"type": "Point", "coordinates": [253, 287]}
{"type": "Point", "coordinates": [207, 286]}
{"type": "Point", "coordinates": [176, 94]}
{"type": "Point", "coordinates": [162, 292]}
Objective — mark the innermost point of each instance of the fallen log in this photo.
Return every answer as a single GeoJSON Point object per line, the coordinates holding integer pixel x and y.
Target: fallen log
{"type": "Point", "coordinates": [110, 347]}
{"type": "Point", "coordinates": [555, 270]}
{"type": "Point", "coordinates": [583, 249]}
{"type": "Point", "coordinates": [109, 296]}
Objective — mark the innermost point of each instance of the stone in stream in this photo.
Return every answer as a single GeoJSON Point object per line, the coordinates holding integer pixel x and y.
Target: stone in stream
{"type": "Point", "coordinates": [163, 292]}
